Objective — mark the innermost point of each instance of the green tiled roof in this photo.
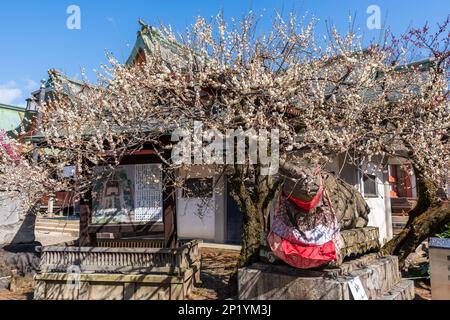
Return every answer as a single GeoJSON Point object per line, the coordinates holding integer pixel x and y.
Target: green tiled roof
{"type": "Point", "coordinates": [70, 86]}
{"type": "Point", "coordinates": [149, 38]}
{"type": "Point", "coordinates": [10, 117]}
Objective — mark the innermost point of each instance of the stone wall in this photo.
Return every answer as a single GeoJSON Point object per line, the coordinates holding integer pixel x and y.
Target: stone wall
{"type": "Point", "coordinates": [16, 226]}
{"type": "Point", "coordinates": [72, 286]}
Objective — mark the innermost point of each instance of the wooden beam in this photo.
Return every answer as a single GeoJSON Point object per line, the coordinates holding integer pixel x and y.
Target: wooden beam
{"type": "Point", "coordinates": [142, 153]}
{"type": "Point", "coordinates": [151, 229]}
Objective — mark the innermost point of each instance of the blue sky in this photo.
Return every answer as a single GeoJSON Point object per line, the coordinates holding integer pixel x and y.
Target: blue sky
{"type": "Point", "coordinates": [34, 36]}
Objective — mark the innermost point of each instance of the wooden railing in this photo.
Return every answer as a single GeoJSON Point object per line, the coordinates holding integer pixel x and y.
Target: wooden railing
{"type": "Point", "coordinates": [132, 243]}
{"type": "Point", "coordinates": [120, 258]}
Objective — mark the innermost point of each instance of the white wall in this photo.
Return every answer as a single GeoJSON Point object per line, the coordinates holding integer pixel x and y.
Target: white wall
{"type": "Point", "coordinates": [380, 214]}
{"type": "Point", "coordinates": [213, 226]}
{"type": "Point", "coordinates": [210, 225]}
{"type": "Point", "coordinates": [380, 210]}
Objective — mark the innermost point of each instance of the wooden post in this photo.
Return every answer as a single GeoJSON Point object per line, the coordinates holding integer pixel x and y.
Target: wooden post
{"type": "Point", "coordinates": [169, 217]}
{"type": "Point", "coordinates": [86, 239]}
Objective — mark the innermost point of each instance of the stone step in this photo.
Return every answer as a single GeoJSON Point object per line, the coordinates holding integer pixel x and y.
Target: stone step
{"type": "Point", "coordinates": [58, 220]}
{"type": "Point", "coordinates": [400, 219]}
{"type": "Point", "coordinates": [404, 290]}
{"type": "Point", "coordinates": [57, 225]}
{"type": "Point", "coordinates": [61, 226]}
{"type": "Point", "coordinates": [52, 222]}
{"type": "Point", "coordinates": [397, 228]}
{"type": "Point", "coordinates": [69, 231]}
{"type": "Point", "coordinates": [398, 223]}
{"type": "Point", "coordinates": [377, 276]}
{"type": "Point", "coordinates": [403, 203]}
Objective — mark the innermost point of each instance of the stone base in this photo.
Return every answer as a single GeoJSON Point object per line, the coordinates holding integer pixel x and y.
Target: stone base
{"type": "Point", "coordinates": [402, 291]}
{"type": "Point", "coordinates": [379, 276]}
{"type": "Point", "coordinates": [63, 286]}
{"type": "Point", "coordinates": [359, 241]}
{"type": "Point", "coordinates": [18, 260]}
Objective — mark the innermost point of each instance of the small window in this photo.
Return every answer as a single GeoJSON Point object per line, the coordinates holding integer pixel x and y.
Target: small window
{"type": "Point", "coordinates": [370, 185]}
{"type": "Point", "coordinates": [198, 188]}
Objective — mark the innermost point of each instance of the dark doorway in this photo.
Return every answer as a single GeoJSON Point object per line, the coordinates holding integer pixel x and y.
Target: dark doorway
{"type": "Point", "coordinates": [234, 220]}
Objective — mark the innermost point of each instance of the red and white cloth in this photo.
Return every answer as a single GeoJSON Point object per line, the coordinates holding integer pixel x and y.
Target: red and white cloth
{"type": "Point", "coordinates": [308, 229]}
{"type": "Point", "coordinates": [301, 237]}
{"type": "Point", "coordinates": [302, 256]}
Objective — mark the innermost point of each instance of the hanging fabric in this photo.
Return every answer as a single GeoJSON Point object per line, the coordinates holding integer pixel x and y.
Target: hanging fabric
{"type": "Point", "coordinates": [308, 229]}
{"type": "Point", "coordinates": [302, 256]}
{"type": "Point", "coordinates": [305, 232]}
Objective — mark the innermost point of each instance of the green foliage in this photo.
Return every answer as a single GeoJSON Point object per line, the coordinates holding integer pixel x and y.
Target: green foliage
{"type": "Point", "coordinates": [445, 232]}
{"type": "Point", "coordinates": [419, 271]}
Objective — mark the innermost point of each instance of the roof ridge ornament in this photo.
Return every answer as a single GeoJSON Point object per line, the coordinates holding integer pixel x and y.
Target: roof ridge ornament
{"type": "Point", "coordinates": [145, 28]}
{"type": "Point", "coordinates": [142, 23]}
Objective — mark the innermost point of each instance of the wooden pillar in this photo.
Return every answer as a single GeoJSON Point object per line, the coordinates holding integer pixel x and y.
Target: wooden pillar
{"type": "Point", "coordinates": [86, 239]}
{"type": "Point", "coordinates": [169, 216]}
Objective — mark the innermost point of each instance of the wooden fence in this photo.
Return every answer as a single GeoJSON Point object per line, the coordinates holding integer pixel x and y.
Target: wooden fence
{"type": "Point", "coordinates": [121, 256]}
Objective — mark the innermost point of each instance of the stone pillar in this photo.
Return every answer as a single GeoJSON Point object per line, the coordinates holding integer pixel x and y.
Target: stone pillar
{"type": "Point", "coordinates": [387, 207]}
{"type": "Point", "coordinates": [51, 201]}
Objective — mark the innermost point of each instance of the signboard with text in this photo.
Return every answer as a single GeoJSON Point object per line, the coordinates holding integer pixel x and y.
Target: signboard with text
{"type": "Point", "coordinates": [130, 194]}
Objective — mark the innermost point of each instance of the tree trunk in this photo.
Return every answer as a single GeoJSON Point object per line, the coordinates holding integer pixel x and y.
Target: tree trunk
{"type": "Point", "coordinates": [254, 200]}
{"type": "Point", "coordinates": [251, 239]}
{"type": "Point", "coordinates": [418, 230]}
{"type": "Point", "coordinates": [425, 219]}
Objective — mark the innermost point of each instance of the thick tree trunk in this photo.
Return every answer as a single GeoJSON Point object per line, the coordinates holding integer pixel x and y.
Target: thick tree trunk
{"type": "Point", "coordinates": [251, 239]}
{"type": "Point", "coordinates": [254, 200]}
{"type": "Point", "coordinates": [425, 219]}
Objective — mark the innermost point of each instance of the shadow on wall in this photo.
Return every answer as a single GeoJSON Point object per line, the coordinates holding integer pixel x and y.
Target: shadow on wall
{"type": "Point", "coordinates": [17, 240]}
{"type": "Point", "coordinates": [16, 225]}
{"type": "Point", "coordinates": [25, 234]}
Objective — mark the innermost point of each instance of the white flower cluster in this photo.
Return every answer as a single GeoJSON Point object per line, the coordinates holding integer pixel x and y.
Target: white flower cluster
{"type": "Point", "coordinates": [326, 97]}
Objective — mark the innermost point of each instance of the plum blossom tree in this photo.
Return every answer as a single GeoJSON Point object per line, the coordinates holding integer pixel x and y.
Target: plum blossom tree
{"type": "Point", "coordinates": [326, 96]}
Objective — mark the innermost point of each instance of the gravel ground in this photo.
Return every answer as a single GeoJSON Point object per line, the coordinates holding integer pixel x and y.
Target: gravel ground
{"type": "Point", "coordinates": [423, 290]}
{"type": "Point", "coordinates": [21, 289]}
{"type": "Point", "coordinates": [218, 268]}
